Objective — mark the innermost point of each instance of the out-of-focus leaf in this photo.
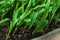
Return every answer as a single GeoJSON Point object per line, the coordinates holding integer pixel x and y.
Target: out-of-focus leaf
{"type": "Point", "coordinates": [40, 25]}
{"type": "Point", "coordinates": [47, 7]}
{"type": "Point", "coordinates": [57, 5]}
{"type": "Point", "coordinates": [34, 16]}
{"type": "Point", "coordinates": [4, 20]}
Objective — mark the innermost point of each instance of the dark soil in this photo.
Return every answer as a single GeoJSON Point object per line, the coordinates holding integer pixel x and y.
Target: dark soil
{"type": "Point", "coordinates": [3, 31]}
{"type": "Point", "coordinates": [22, 34]}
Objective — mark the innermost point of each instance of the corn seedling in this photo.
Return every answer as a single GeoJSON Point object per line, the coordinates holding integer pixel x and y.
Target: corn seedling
{"type": "Point", "coordinates": [28, 12]}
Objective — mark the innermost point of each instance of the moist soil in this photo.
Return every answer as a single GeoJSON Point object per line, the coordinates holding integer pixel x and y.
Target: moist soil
{"type": "Point", "coordinates": [23, 34]}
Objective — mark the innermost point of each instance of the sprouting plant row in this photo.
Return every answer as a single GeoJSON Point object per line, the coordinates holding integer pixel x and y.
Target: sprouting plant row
{"type": "Point", "coordinates": [29, 12]}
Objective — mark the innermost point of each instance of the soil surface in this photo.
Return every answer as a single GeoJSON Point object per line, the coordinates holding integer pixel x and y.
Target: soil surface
{"type": "Point", "coordinates": [22, 34]}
